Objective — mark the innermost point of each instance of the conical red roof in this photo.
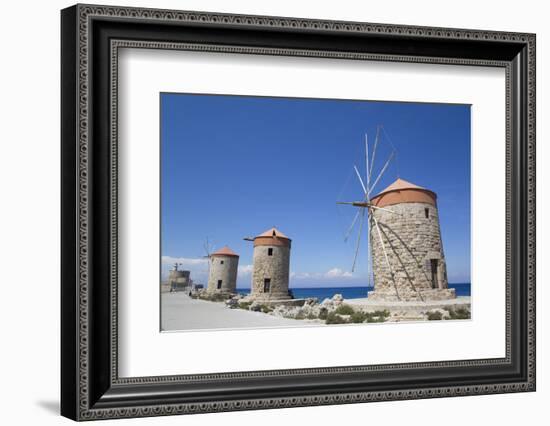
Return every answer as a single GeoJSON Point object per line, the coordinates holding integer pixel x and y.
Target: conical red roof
{"type": "Point", "coordinates": [402, 191]}
{"type": "Point", "coordinates": [400, 184]}
{"type": "Point", "coordinates": [273, 232]}
{"type": "Point", "coordinates": [272, 237]}
{"type": "Point", "coordinates": [224, 251]}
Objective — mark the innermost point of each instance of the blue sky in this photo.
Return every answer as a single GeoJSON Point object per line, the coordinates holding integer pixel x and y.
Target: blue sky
{"type": "Point", "coordinates": [234, 166]}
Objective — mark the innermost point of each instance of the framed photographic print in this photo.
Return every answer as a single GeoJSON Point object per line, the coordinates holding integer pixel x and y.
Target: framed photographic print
{"type": "Point", "coordinates": [264, 212]}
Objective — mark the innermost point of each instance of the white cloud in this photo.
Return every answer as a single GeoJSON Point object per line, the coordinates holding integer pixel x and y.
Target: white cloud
{"type": "Point", "coordinates": [338, 273]}
{"type": "Point", "coordinates": [185, 261]}
{"type": "Point", "coordinates": [245, 270]}
{"type": "Point", "coordinates": [199, 271]}
{"type": "Point", "coordinates": [330, 274]}
{"type": "Point", "coordinates": [198, 266]}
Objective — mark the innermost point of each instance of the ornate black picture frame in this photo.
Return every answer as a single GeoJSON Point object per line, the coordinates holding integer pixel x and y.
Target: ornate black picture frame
{"type": "Point", "coordinates": [91, 37]}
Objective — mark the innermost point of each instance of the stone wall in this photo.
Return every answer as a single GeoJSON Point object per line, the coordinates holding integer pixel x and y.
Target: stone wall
{"type": "Point", "coordinates": [412, 241]}
{"type": "Point", "coordinates": [226, 272]}
{"type": "Point", "coordinates": [275, 267]}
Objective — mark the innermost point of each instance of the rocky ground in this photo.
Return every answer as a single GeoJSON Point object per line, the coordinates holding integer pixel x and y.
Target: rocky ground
{"type": "Point", "coordinates": [336, 310]}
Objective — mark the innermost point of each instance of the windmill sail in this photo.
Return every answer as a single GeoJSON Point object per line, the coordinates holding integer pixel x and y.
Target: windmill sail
{"type": "Point", "coordinates": [364, 205]}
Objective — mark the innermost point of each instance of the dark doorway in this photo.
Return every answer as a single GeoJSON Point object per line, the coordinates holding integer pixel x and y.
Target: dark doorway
{"type": "Point", "coordinates": [267, 285]}
{"type": "Point", "coordinates": [434, 264]}
{"type": "Point", "coordinates": [219, 284]}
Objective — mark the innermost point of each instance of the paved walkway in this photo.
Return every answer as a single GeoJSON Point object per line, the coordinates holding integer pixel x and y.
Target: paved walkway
{"type": "Point", "coordinates": [180, 312]}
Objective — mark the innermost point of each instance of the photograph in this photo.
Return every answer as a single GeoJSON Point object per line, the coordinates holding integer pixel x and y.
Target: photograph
{"type": "Point", "coordinates": [308, 212]}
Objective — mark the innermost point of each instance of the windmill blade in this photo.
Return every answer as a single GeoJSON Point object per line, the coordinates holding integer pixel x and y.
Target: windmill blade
{"type": "Point", "coordinates": [393, 146]}
{"type": "Point", "coordinates": [358, 239]}
{"type": "Point", "coordinates": [367, 161]}
{"type": "Point", "coordinates": [382, 172]}
{"type": "Point", "coordinates": [374, 152]}
{"type": "Point", "coordinates": [360, 179]}
{"type": "Point", "coordinates": [346, 236]}
{"type": "Point", "coordinates": [386, 255]}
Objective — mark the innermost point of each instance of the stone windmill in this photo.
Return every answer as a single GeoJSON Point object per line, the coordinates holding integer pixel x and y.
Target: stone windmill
{"type": "Point", "coordinates": [271, 271]}
{"type": "Point", "coordinates": [222, 274]}
{"type": "Point", "coordinates": [404, 238]}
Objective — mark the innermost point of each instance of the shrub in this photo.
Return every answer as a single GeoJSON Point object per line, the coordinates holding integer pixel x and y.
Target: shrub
{"type": "Point", "coordinates": [460, 313]}
{"type": "Point", "coordinates": [266, 309]}
{"type": "Point", "coordinates": [435, 316]}
{"type": "Point", "coordinates": [215, 297]}
{"type": "Point", "coordinates": [255, 307]}
{"type": "Point", "coordinates": [384, 314]}
{"type": "Point", "coordinates": [359, 317]}
{"type": "Point", "coordinates": [244, 305]}
{"type": "Point", "coordinates": [311, 316]}
{"type": "Point", "coordinates": [220, 298]}
{"type": "Point", "coordinates": [300, 316]}
{"type": "Point", "coordinates": [334, 318]}
{"type": "Point", "coordinates": [345, 310]}
{"type": "Point", "coordinates": [323, 313]}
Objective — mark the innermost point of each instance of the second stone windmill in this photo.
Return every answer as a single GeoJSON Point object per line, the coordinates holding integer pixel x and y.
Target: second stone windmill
{"type": "Point", "coordinates": [403, 237]}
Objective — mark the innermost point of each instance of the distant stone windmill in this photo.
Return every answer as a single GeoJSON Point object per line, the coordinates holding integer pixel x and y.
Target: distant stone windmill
{"type": "Point", "coordinates": [404, 238]}
{"type": "Point", "coordinates": [223, 265]}
{"type": "Point", "coordinates": [222, 274]}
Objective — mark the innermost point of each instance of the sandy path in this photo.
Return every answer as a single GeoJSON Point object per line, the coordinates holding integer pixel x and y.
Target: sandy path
{"type": "Point", "coordinates": [180, 312]}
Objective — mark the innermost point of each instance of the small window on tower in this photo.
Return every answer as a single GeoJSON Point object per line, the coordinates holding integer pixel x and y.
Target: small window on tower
{"type": "Point", "coordinates": [267, 285]}
{"type": "Point", "coordinates": [427, 213]}
{"type": "Point", "coordinates": [219, 284]}
{"type": "Point", "coordinates": [221, 261]}
{"type": "Point", "coordinates": [270, 251]}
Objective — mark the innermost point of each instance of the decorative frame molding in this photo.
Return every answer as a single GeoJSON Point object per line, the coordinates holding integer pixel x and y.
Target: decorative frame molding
{"type": "Point", "coordinates": [91, 37]}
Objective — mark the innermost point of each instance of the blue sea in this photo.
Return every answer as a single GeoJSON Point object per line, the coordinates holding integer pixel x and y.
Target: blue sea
{"type": "Point", "coordinates": [321, 293]}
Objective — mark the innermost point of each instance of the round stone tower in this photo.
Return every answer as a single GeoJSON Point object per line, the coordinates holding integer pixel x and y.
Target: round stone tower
{"type": "Point", "coordinates": [179, 280]}
{"type": "Point", "coordinates": [271, 266]}
{"type": "Point", "coordinates": [222, 276]}
{"type": "Point", "coordinates": [407, 252]}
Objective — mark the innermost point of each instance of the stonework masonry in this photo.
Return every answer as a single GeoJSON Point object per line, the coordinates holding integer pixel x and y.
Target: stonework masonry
{"type": "Point", "coordinates": [271, 270]}
{"type": "Point", "coordinates": [412, 241]}
{"type": "Point", "coordinates": [275, 268]}
{"type": "Point", "coordinates": [222, 276]}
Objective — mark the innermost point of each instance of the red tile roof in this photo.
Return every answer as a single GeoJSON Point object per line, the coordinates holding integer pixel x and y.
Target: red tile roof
{"type": "Point", "coordinates": [273, 232]}
{"type": "Point", "coordinates": [401, 184]}
{"type": "Point", "coordinates": [224, 251]}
